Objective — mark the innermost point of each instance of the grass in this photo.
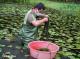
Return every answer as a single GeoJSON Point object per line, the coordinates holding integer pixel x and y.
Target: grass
{"type": "Point", "coordinates": [58, 5]}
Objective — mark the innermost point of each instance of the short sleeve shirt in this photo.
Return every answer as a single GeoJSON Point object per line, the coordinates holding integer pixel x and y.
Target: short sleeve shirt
{"type": "Point", "coordinates": [29, 31]}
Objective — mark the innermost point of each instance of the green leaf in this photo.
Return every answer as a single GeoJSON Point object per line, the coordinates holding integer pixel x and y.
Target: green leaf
{"type": "Point", "coordinates": [71, 57]}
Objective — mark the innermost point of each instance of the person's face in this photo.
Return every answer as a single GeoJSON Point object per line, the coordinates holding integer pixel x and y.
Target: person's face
{"type": "Point", "coordinates": [40, 10]}
{"type": "Point", "coordinates": [37, 11]}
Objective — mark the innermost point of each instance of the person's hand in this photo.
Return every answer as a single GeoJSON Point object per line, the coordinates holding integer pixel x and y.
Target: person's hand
{"type": "Point", "coordinates": [45, 19]}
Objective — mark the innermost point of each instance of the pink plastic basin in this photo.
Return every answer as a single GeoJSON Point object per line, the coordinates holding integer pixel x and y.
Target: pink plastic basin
{"type": "Point", "coordinates": [34, 45]}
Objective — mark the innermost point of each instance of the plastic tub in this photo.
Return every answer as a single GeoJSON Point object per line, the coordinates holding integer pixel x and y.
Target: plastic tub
{"type": "Point", "coordinates": [34, 45]}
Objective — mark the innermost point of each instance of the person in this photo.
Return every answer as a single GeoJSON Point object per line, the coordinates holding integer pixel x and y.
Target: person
{"type": "Point", "coordinates": [29, 30]}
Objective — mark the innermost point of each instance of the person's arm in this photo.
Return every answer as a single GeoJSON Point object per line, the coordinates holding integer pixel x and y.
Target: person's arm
{"type": "Point", "coordinates": [35, 22]}
{"type": "Point", "coordinates": [39, 22]}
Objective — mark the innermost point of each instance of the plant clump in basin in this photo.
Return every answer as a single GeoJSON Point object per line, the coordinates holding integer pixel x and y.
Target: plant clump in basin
{"type": "Point", "coordinates": [43, 49]}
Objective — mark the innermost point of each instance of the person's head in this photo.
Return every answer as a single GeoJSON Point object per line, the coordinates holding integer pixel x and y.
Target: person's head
{"type": "Point", "coordinates": [39, 7]}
